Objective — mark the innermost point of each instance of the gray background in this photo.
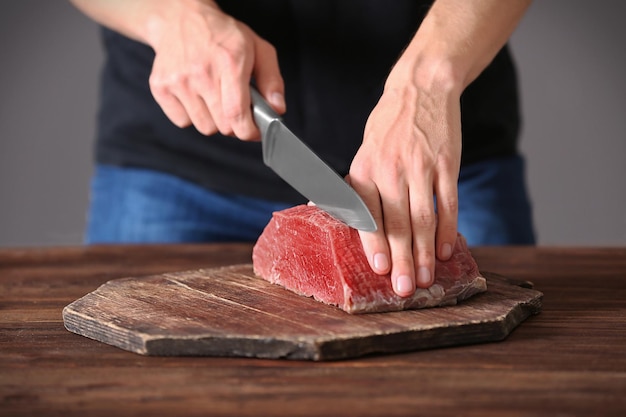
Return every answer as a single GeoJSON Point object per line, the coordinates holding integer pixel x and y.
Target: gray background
{"type": "Point", "coordinates": [572, 63]}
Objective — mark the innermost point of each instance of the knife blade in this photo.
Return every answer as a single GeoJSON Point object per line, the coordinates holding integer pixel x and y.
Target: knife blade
{"type": "Point", "coordinates": [305, 171]}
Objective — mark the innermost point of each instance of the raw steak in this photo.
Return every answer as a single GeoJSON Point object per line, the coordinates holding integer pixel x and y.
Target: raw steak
{"type": "Point", "coordinates": [307, 251]}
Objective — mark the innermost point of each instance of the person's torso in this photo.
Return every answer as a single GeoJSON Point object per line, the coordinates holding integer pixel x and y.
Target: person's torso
{"type": "Point", "coordinates": [334, 57]}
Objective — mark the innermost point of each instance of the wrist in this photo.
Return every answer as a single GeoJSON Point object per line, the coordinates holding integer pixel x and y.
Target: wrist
{"type": "Point", "coordinates": [428, 73]}
{"type": "Point", "coordinates": [159, 15]}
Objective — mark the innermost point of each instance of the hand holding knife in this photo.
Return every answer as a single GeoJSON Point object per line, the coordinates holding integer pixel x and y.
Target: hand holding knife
{"type": "Point", "coordinates": [305, 171]}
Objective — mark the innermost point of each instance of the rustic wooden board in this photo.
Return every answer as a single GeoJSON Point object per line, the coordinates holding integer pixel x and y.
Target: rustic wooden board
{"type": "Point", "coordinates": [230, 312]}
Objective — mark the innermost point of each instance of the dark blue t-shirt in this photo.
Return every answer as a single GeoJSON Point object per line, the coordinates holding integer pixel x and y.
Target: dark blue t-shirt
{"type": "Point", "coordinates": [334, 57]}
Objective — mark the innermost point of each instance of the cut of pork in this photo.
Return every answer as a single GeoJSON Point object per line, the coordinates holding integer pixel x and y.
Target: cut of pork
{"type": "Point", "coordinates": [309, 252]}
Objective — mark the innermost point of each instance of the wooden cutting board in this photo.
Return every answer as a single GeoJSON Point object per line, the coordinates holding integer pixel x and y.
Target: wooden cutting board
{"type": "Point", "coordinates": [230, 312]}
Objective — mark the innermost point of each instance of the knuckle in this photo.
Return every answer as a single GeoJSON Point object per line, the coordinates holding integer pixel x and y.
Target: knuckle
{"type": "Point", "coordinates": [157, 84]}
{"type": "Point", "coordinates": [177, 80]}
{"type": "Point", "coordinates": [424, 219]}
{"type": "Point", "coordinates": [234, 112]}
{"type": "Point", "coordinates": [447, 229]}
{"type": "Point", "coordinates": [163, 84]}
{"type": "Point", "coordinates": [447, 162]}
{"type": "Point", "coordinates": [200, 73]}
{"type": "Point", "coordinates": [245, 131]}
{"type": "Point", "coordinates": [237, 124]}
{"type": "Point", "coordinates": [180, 120]}
{"type": "Point", "coordinates": [225, 129]}
{"type": "Point", "coordinates": [425, 257]}
{"type": "Point", "coordinates": [268, 49]}
{"type": "Point", "coordinates": [395, 226]}
{"type": "Point", "coordinates": [373, 242]}
{"type": "Point", "coordinates": [359, 170]}
{"type": "Point", "coordinates": [178, 123]}
{"type": "Point", "coordinates": [449, 204]}
{"type": "Point", "coordinates": [265, 45]}
{"type": "Point", "coordinates": [234, 55]}
{"type": "Point", "coordinates": [205, 127]}
{"type": "Point", "coordinates": [423, 163]}
{"type": "Point", "coordinates": [402, 261]}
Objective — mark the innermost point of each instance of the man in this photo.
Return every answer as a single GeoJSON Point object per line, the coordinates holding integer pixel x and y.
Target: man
{"type": "Point", "coordinates": [375, 96]}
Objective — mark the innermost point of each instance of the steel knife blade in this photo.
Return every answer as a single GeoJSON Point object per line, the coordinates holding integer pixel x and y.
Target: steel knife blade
{"type": "Point", "coordinates": [305, 171]}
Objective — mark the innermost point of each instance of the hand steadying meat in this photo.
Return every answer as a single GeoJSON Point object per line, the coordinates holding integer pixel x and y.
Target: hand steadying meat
{"type": "Point", "coordinates": [412, 142]}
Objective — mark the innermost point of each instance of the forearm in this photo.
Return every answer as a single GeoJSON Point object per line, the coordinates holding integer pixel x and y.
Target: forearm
{"type": "Point", "coordinates": [140, 20]}
{"type": "Point", "coordinates": [456, 41]}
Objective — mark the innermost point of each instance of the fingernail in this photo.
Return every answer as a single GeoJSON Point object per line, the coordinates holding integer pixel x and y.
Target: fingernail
{"type": "Point", "coordinates": [381, 262]}
{"type": "Point", "coordinates": [423, 276]}
{"type": "Point", "coordinates": [278, 100]}
{"type": "Point", "coordinates": [404, 284]}
{"type": "Point", "coordinates": [446, 251]}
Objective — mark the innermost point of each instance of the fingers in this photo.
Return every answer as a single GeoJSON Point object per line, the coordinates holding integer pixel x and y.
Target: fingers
{"type": "Point", "coordinates": [224, 88]}
{"type": "Point", "coordinates": [205, 80]}
{"type": "Point", "coordinates": [267, 75]}
{"type": "Point", "coordinates": [410, 225]}
{"type": "Point", "coordinates": [400, 196]}
{"type": "Point", "coordinates": [404, 244]}
{"type": "Point", "coordinates": [398, 233]}
{"type": "Point", "coordinates": [235, 107]}
{"type": "Point", "coordinates": [182, 105]}
{"type": "Point", "coordinates": [375, 243]}
{"type": "Point", "coordinates": [171, 106]}
{"type": "Point", "coordinates": [389, 249]}
{"type": "Point", "coordinates": [447, 210]}
{"type": "Point", "coordinates": [423, 227]}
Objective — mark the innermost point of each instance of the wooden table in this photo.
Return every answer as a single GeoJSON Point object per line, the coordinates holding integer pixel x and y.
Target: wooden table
{"type": "Point", "coordinates": [569, 360]}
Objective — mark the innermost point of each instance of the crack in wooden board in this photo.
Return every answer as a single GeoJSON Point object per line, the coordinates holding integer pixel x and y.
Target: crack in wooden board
{"type": "Point", "coordinates": [229, 311]}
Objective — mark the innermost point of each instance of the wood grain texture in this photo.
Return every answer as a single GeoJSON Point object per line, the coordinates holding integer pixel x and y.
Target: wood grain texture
{"type": "Point", "coordinates": [567, 361]}
{"type": "Point", "coordinates": [229, 311]}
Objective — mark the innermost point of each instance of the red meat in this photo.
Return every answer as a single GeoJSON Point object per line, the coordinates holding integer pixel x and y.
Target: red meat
{"type": "Point", "coordinates": [307, 251]}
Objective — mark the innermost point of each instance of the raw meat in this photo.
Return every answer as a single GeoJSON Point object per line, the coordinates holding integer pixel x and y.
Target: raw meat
{"type": "Point", "coordinates": [307, 251]}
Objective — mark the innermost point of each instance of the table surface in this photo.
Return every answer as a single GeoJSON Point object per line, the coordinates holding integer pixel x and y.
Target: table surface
{"type": "Point", "coordinates": [569, 360]}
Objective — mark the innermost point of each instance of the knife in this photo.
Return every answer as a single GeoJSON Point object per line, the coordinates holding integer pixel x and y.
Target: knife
{"type": "Point", "coordinates": [301, 168]}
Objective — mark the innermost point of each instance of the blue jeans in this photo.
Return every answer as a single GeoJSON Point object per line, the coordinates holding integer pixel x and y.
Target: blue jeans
{"type": "Point", "coordinates": [130, 205]}
{"type": "Point", "coordinates": [494, 208]}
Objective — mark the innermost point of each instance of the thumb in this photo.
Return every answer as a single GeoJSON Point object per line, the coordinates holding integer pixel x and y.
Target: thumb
{"type": "Point", "coordinates": [266, 72]}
